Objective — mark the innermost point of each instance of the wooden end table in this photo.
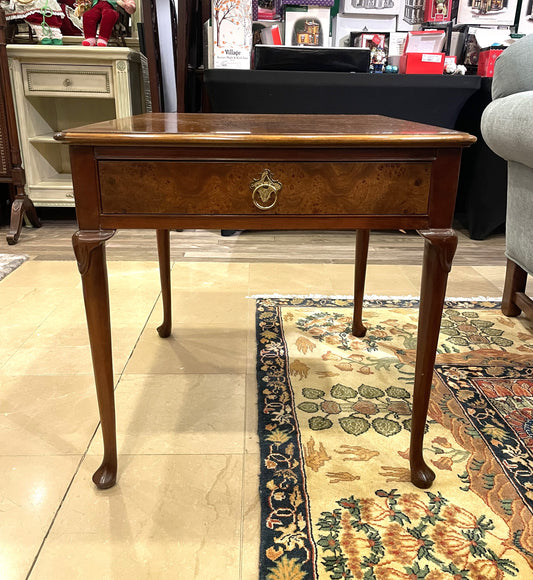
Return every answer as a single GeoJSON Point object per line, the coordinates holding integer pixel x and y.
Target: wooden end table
{"type": "Point", "coordinates": [218, 171]}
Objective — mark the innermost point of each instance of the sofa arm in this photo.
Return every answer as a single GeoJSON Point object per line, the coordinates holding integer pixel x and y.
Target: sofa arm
{"type": "Point", "coordinates": [507, 127]}
{"type": "Point", "coordinates": [513, 72]}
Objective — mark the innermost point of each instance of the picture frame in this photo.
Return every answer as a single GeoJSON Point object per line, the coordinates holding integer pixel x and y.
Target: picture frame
{"type": "Point", "coordinates": [480, 12]}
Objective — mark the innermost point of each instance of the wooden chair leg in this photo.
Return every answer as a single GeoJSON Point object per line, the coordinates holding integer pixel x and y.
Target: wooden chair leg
{"type": "Point", "coordinates": [361, 256]}
{"type": "Point", "coordinates": [515, 281]}
{"type": "Point", "coordinates": [163, 250]}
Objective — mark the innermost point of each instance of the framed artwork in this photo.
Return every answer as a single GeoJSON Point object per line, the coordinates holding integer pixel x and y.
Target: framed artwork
{"type": "Point", "coordinates": [487, 12]}
{"type": "Point", "coordinates": [343, 24]}
{"type": "Point", "coordinates": [307, 26]}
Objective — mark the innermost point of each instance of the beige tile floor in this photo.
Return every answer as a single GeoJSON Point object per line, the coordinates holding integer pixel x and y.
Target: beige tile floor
{"type": "Point", "coordinates": [186, 504]}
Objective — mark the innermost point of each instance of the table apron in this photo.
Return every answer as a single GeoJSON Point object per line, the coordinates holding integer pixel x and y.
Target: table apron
{"type": "Point", "coordinates": [262, 222]}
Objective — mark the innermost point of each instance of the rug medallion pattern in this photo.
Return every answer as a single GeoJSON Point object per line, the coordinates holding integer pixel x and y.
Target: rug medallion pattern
{"type": "Point", "coordinates": [334, 423]}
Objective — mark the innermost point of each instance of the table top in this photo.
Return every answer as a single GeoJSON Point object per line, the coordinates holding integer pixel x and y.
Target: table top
{"type": "Point", "coordinates": [252, 130]}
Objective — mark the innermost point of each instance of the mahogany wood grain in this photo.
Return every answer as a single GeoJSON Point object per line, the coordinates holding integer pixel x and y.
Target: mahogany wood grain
{"type": "Point", "coordinates": [280, 131]}
{"type": "Point", "coordinates": [439, 249]}
{"type": "Point", "coordinates": [163, 250]}
{"type": "Point", "coordinates": [89, 247]}
{"type": "Point", "coordinates": [172, 171]}
{"type": "Point", "coordinates": [361, 257]}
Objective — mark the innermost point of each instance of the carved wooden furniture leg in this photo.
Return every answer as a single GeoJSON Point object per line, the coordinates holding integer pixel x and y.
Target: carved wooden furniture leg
{"type": "Point", "coordinates": [439, 249]}
{"type": "Point", "coordinates": [89, 247]}
{"type": "Point", "coordinates": [21, 206]}
{"type": "Point", "coordinates": [361, 255]}
{"type": "Point", "coordinates": [163, 250]}
{"type": "Point", "coordinates": [515, 283]}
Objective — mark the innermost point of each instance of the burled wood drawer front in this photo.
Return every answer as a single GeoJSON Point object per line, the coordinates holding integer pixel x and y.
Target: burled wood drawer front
{"type": "Point", "coordinates": [53, 80]}
{"type": "Point", "coordinates": [223, 188]}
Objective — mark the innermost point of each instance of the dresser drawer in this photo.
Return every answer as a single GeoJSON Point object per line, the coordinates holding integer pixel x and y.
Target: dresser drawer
{"type": "Point", "coordinates": [53, 80]}
{"type": "Point", "coordinates": [243, 188]}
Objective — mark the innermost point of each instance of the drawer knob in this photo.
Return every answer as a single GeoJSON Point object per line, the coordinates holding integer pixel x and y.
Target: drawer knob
{"type": "Point", "coordinates": [265, 190]}
{"type": "Point", "coordinates": [67, 83]}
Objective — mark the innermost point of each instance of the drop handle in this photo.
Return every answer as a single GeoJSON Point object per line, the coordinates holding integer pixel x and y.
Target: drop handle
{"type": "Point", "coordinates": [265, 190]}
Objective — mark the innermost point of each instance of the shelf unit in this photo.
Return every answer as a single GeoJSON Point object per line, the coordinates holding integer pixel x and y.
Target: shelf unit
{"type": "Point", "coordinates": [60, 87]}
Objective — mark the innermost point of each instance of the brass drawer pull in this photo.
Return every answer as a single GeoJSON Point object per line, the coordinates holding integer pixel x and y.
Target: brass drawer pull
{"type": "Point", "coordinates": [67, 83]}
{"type": "Point", "coordinates": [265, 190]}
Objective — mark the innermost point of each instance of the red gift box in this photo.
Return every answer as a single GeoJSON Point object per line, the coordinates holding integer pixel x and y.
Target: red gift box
{"type": "Point", "coordinates": [422, 63]}
{"type": "Point", "coordinates": [486, 60]}
{"type": "Point", "coordinates": [422, 53]}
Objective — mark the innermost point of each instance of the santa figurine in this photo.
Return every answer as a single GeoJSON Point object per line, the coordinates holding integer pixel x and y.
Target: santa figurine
{"type": "Point", "coordinates": [105, 14]}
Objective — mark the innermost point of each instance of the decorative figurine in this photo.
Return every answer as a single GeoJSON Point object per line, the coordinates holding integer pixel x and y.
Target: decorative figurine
{"type": "Point", "coordinates": [441, 8]}
{"type": "Point", "coordinates": [454, 69]}
{"type": "Point", "coordinates": [48, 19]}
{"type": "Point", "coordinates": [378, 59]}
{"type": "Point", "coordinates": [105, 13]}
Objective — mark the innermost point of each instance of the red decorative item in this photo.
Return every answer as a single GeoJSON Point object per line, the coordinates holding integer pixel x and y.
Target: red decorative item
{"type": "Point", "coordinates": [423, 53]}
{"type": "Point", "coordinates": [102, 12]}
{"type": "Point", "coordinates": [420, 63]}
{"type": "Point", "coordinates": [437, 11]}
{"type": "Point", "coordinates": [486, 60]}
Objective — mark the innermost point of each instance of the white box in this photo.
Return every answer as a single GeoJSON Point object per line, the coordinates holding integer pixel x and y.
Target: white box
{"type": "Point", "coordinates": [397, 44]}
{"type": "Point", "coordinates": [429, 41]}
{"type": "Point", "coordinates": [525, 24]}
{"type": "Point", "coordinates": [370, 6]}
{"type": "Point", "coordinates": [410, 15]}
{"type": "Point", "coordinates": [471, 12]}
{"type": "Point", "coordinates": [307, 26]}
{"type": "Point", "coordinates": [232, 33]}
{"type": "Point", "coordinates": [343, 24]}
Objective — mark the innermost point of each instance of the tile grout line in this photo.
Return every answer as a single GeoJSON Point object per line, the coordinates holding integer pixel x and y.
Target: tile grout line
{"type": "Point", "coordinates": [84, 454]}
{"type": "Point", "coordinates": [245, 431]}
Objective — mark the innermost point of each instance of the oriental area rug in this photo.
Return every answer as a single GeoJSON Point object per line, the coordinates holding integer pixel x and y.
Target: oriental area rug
{"type": "Point", "coordinates": [8, 263]}
{"type": "Point", "coordinates": [334, 422]}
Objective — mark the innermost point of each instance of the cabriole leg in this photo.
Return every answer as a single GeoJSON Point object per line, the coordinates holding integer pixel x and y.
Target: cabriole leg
{"type": "Point", "coordinates": [439, 249]}
{"type": "Point", "coordinates": [163, 250]}
{"type": "Point", "coordinates": [361, 256]}
{"type": "Point", "coordinates": [89, 247]}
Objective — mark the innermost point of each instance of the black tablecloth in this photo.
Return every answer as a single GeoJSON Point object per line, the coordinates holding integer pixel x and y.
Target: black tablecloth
{"type": "Point", "coordinates": [454, 102]}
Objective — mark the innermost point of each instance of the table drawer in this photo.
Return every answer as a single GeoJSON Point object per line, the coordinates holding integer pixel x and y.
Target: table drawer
{"type": "Point", "coordinates": [234, 188]}
{"type": "Point", "coordinates": [48, 80]}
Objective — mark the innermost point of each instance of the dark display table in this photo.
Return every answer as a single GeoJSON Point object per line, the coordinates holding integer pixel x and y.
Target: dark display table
{"type": "Point", "coordinates": [454, 102]}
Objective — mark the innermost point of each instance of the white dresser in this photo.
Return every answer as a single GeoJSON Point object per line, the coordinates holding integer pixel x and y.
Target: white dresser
{"type": "Point", "coordinates": [61, 87]}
